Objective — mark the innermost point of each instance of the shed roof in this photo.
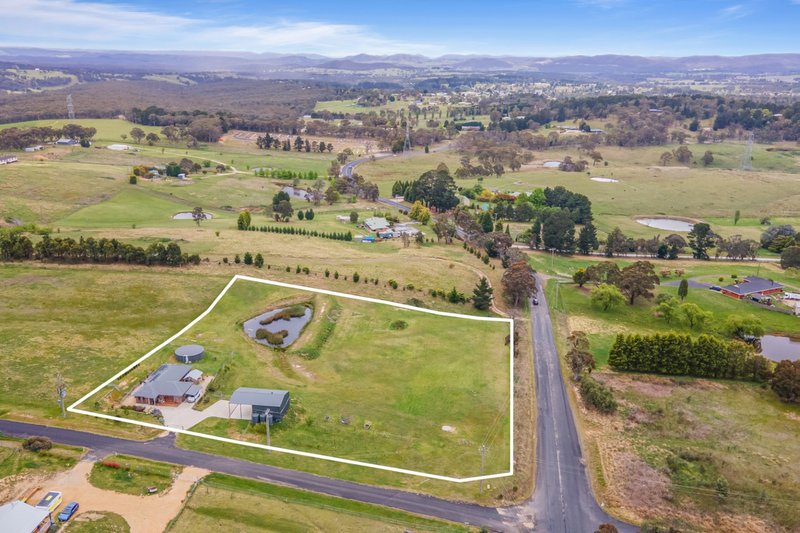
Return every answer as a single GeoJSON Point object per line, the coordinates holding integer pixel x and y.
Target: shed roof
{"type": "Point", "coordinates": [752, 285]}
{"type": "Point", "coordinates": [19, 516]}
{"type": "Point", "coordinates": [261, 397]}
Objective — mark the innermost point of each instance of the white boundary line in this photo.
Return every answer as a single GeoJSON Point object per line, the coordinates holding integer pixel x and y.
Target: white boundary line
{"type": "Point", "coordinates": [74, 409]}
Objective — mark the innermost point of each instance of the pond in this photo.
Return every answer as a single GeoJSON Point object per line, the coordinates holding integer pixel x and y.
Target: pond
{"type": "Point", "coordinates": [187, 215]}
{"type": "Point", "coordinates": [778, 348]}
{"type": "Point", "coordinates": [604, 180]}
{"type": "Point", "coordinates": [288, 327]}
{"type": "Point", "coordinates": [551, 164]}
{"type": "Point", "coordinates": [666, 223]}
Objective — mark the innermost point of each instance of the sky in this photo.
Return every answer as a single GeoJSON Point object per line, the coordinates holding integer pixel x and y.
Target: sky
{"type": "Point", "coordinates": [432, 28]}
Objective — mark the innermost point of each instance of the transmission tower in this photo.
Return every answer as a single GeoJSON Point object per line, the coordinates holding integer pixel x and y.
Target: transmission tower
{"type": "Point", "coordinates": [747, 158]}
{"type": "Point", "coordinates": [407, 142]}
{"type": "Point", "coordinates": [70, 108]}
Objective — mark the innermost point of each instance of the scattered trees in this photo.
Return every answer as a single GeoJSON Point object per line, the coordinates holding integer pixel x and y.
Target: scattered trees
{"type": "Point", "coordinates": [638, 280]}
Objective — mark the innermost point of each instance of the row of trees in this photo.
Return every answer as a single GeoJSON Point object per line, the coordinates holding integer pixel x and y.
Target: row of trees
{"type": "Point", "coordinates": [682, 355]}
{"type": "Point", "coordinates": [291, 230]}
{"type": "Point", "coordinates": [17, 247]}
{"type": "Point", "coordinates": [19, 138]}
{"type": "Point", "coordinates": [266, 142]}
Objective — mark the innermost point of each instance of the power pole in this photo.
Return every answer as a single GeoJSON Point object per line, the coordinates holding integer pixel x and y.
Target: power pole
{"type": "Point", "coordinates": [747, 158]}
{"type": "Point", "coordinates": [70, 108]}
{"type": "Point", "coordinates": [61, 391]}
{"type": "Point", "coordinates": [483, 453]}
{"type": "Point", "coordinates": [269, 420]}
{"type": "Point", "coordinates": [407, 142]}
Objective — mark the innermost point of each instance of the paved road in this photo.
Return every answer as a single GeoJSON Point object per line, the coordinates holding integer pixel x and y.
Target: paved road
{"type": "Point", "coordinates": [563, 500]}
{"type": "Point", "coordinates": [163, 449]}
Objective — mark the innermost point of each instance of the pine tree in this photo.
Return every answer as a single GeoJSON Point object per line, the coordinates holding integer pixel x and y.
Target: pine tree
{"type": "Point", "coordinates": [587, 239]}
{"type": "Point", "coordinates": [683, 289]}
{"type": "Point", "coordinates": [482, 295]}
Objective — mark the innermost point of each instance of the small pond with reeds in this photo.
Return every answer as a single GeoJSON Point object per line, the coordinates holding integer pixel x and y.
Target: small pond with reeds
{"type": "Point", "coordinates": [279, 328]}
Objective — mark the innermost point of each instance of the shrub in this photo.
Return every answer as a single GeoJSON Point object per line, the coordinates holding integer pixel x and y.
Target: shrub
{"type": "Point", "coordinates": [597, 395]}
{"type": "Point", "coordinates": [356, 277]}
{"type": "Point", "coordinates": [393, 284]}
{"type": "Point", "coordinates": [37, 444]}
{"type": "Point", "coordinates": [272, 338]}
{"type": "Point", "coordinates": [248, 258]}
{"type": "Point", "coordinates": [132, 180]}
{"type": "Point", "coordinates": [237, 259]}
{"type": "Point", "coordinates": [336, 275]}
{"type": "Point", "coordinates": [398, 325]}
{"type": "Point", "coordinates": [327, 273]}
{"type": "Point", "coordinates": [259, 261]}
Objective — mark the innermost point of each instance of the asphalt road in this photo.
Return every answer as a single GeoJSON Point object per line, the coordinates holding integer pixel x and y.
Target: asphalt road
{"type": "Point", "coordinates": [163, 449]}
{"type": "Point", "coordinates": [563, 501]}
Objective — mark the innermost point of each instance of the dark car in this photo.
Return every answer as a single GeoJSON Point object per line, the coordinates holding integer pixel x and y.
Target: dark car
{"type": "Point", "coordinates": [66, 513]}
{"type": "Point", "coordinates": [715, 288]}
{"type": "Point", "coordinates": [535, 301]}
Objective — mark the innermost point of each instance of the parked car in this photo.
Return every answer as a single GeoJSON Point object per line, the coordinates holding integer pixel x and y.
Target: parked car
{"type": "Point", "coordinates": [66, 513]}
{"type": "Point", "coordinates": [715, 288]}
{"type": "Point", "coordinates": [535, 301]}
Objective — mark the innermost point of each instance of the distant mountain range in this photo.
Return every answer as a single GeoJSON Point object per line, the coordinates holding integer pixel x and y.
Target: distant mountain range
{"type": "Point", "coordinates": [601, 66]}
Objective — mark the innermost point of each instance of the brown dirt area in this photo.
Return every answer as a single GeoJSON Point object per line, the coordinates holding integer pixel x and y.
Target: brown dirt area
{"type": "Point", "coordinates": [160, 509]}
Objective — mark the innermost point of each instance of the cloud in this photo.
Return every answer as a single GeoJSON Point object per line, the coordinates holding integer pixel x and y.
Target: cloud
{"type": "Point", "coordinates": [82, 25]}
{"type": "Point", "coordinates": [735, 11]}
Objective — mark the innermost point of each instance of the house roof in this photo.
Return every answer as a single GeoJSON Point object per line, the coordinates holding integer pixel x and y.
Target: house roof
{"type": "Point", "coordinates": [376, 223]}
{"type": "Point", "coordinates": [262, 397]}
{"type": "Point", "coordinates": [170, 373]}
{"type": "Point", "coordinates": [194, 375]}
{"type": "Point", "coordinates": [19, 516]}
{"type": "Point", "coordinates": [752, 285]}
{"type": "Point", "coordinates": [154, 389]}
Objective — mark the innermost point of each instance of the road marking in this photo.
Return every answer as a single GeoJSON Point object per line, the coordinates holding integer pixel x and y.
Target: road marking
{"type": "Point", "coordinates": [74, 407]}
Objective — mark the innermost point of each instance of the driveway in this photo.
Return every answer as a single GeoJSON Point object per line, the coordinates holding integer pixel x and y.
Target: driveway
{"type": "Point", "coordinates": [184, 416]}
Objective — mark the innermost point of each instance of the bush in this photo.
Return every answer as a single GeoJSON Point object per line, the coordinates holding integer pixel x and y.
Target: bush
{"type": "Point", "coordinates": [393, 284]}
{"type": "Point", "coordinates": [37, 444]}
{"type": "Point", "coordinates": [272, 338]}
{"type": "Point", "coordinates": [356, 277]}
{"type": "Point", "coordinates": [597, 395]}
{"type": "Point", "coordinates": [132, 180]}
{"type": "Point", "coordinates": [398, 325]}
{"type": "Point", "coordinates": [248, 258]}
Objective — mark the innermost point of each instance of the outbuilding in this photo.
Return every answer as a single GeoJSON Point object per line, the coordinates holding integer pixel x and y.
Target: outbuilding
{"type": "Point", "coordinates": [190, 353]}
{"type": "Point", "coordinates": [20, 517]}
{"type": "Point", "coordinates": [264, 402]}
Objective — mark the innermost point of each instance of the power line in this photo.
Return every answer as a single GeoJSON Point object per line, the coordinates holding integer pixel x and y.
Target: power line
{"type": "Point", "coordinates": [70, 108]}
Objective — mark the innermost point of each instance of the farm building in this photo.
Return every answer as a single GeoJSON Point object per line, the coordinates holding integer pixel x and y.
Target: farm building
{"type": "Point", "coordinates": [169, 384]}
{"type": "Point", "coordinates": [20, 517]}
{"type": "Point", "coordinates": [191, 353]}
{"type": "Point", "coordinates": [7, 159]}
{"type": "Point", "coordinates": [376, 224]}
{"type": "Point", "coordinates": [34, 148]}
{"type": "Point", "coordinates": [752, 286]}
{"type": "Point", "coordinates": [262, 401]}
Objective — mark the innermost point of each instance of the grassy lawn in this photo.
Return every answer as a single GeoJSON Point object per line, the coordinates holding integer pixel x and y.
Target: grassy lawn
{"type": "Point", "coordinates": [234, 504]}
{"type": "Point", "coordinates": [108, 129]}
{"type": "Point", "coordinates": [15, 460]}
{"type": "Point", "coordinates": [94, 522]}
{"type": "Point", "coordinates": [131, 475]}
{"type": "Point", "coordinates": [397, 388]}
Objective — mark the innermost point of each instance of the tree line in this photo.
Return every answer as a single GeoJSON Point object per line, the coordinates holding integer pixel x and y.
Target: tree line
{"type": "Point", "coordinates": [19, 138]}
{"type": "Point", "coordinates": [17, 247]}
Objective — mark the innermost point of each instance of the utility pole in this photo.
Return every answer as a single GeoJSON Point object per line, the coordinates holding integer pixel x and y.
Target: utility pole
{"type": "Point", "coordinates": [483, 453]}
{"type": "Point", "coordinates": [61, 390]}
{"type": "Point", "coordinates": [269, 421]}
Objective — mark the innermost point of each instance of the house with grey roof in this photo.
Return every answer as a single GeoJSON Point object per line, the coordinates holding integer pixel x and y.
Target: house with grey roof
{"type": "Point", "coordinates": [376, 224]}
{"type": "Point", "coordinates": [752, 286]}
{"type": "Point", "coordinates": [169, 384]}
